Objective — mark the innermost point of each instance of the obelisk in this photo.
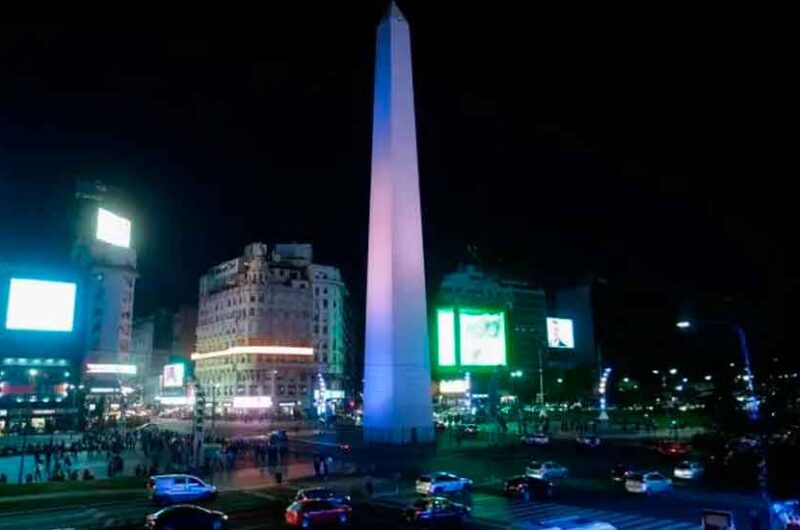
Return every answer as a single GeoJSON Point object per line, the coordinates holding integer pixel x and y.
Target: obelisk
{"type": "Point", "coordinates": [397, 377]}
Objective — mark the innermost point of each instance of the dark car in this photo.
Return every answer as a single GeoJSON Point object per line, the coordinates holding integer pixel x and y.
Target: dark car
{"type": "Point", "coordinates": [528, 487]}
{"type": "Point", "coordinates": [620, 472]}
{"type": "Point", "coordinates": [321, 494]}
{"type": "Point", "coordinates": [306, 514]}
{"type": "Point", "coordinates": [436, 510]}
{"type": "Point", "coordinates": [187, 516]}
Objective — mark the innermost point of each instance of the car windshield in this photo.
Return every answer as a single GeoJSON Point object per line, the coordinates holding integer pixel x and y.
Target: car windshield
{"type": "Point", "coordinates": [683, 466]}
{"type": "Point", "coordinates": [636, 476]}
{"type": "Point", "coordinates": [421, 503]}
{"type": "Point", "coordinates": [319, 494]}
{"type": "Point", "coordinates": [424, 478]}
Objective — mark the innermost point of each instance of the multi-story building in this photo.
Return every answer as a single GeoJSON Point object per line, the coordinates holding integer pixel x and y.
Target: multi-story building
{"type": "Point", "coordinates": [270, 331]}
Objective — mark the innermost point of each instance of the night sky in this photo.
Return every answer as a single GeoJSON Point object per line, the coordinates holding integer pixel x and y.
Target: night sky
{"type": "Point", "coordinates": [558, 143]}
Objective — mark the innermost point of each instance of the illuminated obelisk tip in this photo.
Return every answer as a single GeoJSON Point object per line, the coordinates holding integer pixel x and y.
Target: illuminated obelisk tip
{"type": "Point", "coordinates": [397, 380]}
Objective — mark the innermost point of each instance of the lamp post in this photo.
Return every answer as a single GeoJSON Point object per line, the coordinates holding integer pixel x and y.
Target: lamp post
{"type": "Point", "coordinates": [543, 411]}
{"type": "Point", "coordinates": [753, 408]}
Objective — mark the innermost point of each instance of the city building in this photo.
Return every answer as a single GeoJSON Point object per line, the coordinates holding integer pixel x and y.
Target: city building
{"type": "Point", "coordinates": [152, 347]}
{"type": "Point", "coordinates": [271, 332]}
{"type": "Point", "coordinates": [41, 347]}
{"type": "Point", "coordinates": [525, 307]}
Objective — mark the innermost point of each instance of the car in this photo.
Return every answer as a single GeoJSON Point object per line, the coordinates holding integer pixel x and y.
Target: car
{"type": "Point", "coordinates": [546, 470]}
{"type": "Point", "coordinates": [469, 429]}
{"type": "Point", "coordinates": [588, 441]}
{"type": "Point", "coordinates": [439, 425]}
{"type": "Point", "coordinates": [564, 523]}
{"type": "Point", "coordinates": [528, 487]}
{"type": "Point", "coordinates": [441, 482]}
{"type": "Point", "coordinates": [647, 483]}
{"type": "Point", "coordinates": [436, 510]}
{"type": "Point", "coordinates": [688, 470]}
{"type": "Point", "coordinates": [169, 489]}
{"type": "Point", "coordinates": [306, 514]}
{"type": "Point", "coordinates": [186, 516]}
{"type": "Point", "coordinates": [621, 471]}
{"type": "Point", "coordinates": [321, 494]}
{"type": "Point", "coordinates": [536, 439]}
{"type": "Point", "coordinates": [345, 448]}
{"type": "Point", "coordinates": [672, 448]}
{"type": "Point", "coordinates": [716, 520]}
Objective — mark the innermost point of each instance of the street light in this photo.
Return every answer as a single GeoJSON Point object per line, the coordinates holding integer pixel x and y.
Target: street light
{"type": "Point", "coordinates": [655, 372]}
{"type": "Point", "coordinates": [753, 405]}
{"type": "Point", "coordinates": [673, 371]}
{"type": "Point", "coordinates": [707, 378]}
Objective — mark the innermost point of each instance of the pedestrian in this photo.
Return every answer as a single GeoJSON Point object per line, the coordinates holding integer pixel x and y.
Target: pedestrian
{"type": "Point", "coordinates": [3, 478]}
{"type": "Point", "coordinates": [279, 475]}
{"type": "Point", "coordinates": [37, 475]}
{"type": "Point", "coordinates": [316, 465]}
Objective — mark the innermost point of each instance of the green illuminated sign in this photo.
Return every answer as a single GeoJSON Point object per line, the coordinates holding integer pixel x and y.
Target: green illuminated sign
{"type": "Point", "coordinates": [471, 337]}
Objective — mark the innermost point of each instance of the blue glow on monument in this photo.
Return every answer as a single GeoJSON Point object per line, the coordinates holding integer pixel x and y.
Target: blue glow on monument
{"type": "Point", "coordinates": [397, 380]}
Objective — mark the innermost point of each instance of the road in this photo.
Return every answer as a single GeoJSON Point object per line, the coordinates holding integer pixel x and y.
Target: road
{"type": "Point", "coordinates": [587, 492]}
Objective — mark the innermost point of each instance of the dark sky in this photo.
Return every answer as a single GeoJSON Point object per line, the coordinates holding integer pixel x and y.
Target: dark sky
{"type": "Point", "coordinates": [641, 146]}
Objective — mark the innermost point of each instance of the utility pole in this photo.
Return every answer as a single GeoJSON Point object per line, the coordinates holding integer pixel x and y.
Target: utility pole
{"type": "Point", "coordinates": [543, 411]}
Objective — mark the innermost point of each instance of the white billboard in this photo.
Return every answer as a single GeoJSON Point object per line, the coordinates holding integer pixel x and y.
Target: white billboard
{"type": "Point", "coordinates": [39, 305]}
{"type": "Point", "coordinates": [252, 402]}
{"type": "Point", "coordinates": [559, 333]}
{"type": "Point", "coordinates": [173, 375]}
{"type": "Point", "coordinates": [120, 369]}
{"type": "Point", "coordinates": [113, 229]}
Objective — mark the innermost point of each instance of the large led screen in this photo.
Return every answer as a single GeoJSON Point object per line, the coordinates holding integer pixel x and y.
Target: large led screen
{"type": "Point", "coordinates": [559, 333]}
{"type": "Point", "coordinates": [446, 333]}
{"type": "Point", "coordinates": [39, 305]}
{"type": "Point", "coordinates": [482, 337]}
{"type": "Point", "coordinates": [113, 229]}
{"type": "Point", "coordinates": [173, 375]}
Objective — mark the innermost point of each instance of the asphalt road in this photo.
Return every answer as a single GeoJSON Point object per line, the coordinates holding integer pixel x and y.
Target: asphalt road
{"type": "Point", "coordinates": [587, 492]}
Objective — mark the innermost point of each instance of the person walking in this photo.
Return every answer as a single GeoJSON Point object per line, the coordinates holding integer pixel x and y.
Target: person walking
{"type": "Point", "coordinates": [37, 475]}
{"type": "Point", "coordinates": [279, 475]}
{"type": "Point", "coordinates": [369, 486]}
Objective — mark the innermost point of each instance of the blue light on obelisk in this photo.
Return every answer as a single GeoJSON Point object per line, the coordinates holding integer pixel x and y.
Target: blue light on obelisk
{"type": "Point", "coordinates": [397, 379]}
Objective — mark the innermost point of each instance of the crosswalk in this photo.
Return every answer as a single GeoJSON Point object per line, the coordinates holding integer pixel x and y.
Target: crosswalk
{"type": "Point", "coordinates": [499, 509]}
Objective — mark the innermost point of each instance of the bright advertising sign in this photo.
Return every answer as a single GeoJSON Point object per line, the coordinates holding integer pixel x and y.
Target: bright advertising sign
{"type": "Point", "coordinates": [456, 386]}
{"type": "Point", "coordinates": [559, 333]}
{"type": "Point", "coordinates": [39, 305]}
{"type": "Point", "coordinates": [121, 369]}
{"type": "Point", "coordinates": [113, 229]}
{"type": "Point", "coordinates": [252, 402]}
{"type": "Point", "coordinates": [173, 375]}
{"type": "Point", "coordinates": [471, 337]}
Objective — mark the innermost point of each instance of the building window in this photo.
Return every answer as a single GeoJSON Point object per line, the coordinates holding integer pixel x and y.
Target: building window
{"type": "Point", "coordinates": [324, 330]}
{"type": "Point", "coordinates": [324, 302]}
{"type": "Point", "coordinates": [316, 328]}
{"type": "Point", "coordinates": [252, 298]}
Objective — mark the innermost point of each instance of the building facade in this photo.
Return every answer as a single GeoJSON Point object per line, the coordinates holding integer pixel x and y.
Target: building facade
{"type": "Point", "coordinates": [270, 332]}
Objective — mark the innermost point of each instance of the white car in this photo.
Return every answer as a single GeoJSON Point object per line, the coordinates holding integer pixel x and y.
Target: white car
{"type": "Point", "coordinates": [647, 483]}
{"type": "Point", "coordinates": [588, 441]}
{"type": "Point", "coordinates": [689, 470]}
{"type": "Point", "coordinates": [536, 439]}
{"type": "Point", "coordinates": [564, 523]}
{"type": "Point", "coordinates": [440, 482]}
{"type": "Point", "coordinates": [546, 470]}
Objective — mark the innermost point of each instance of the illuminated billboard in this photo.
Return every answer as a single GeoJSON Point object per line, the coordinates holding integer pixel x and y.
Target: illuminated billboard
{"type": "Point", "coordinates": [559, 333]}
{"type": "Point", "coordinates": [173, 375]}
{"type": "Point", "coordinates": [39, 305]}
{"type": "Point", "coordinates": [120, 369]}
{"type": "Point", "coordinates": [471, 337]}
{"type": "Point", "coordinates": [113, 229]}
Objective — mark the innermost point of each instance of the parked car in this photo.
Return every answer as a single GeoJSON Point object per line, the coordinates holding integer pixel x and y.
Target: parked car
{"type": "Point", "coordinates": [688, 470]}
{"type": "Point", "coordinates": [528, 487]}
{"type": "Point", "coordinates": [182, 516]}
{"type": "Point", "coordinates": [546, 470]}
{"type": "Point", "coordinates": [169, 489]}
{"type": "Point", "coordinates": [647, 483]}
{"type": "Point", "coordinates": [587, 441]}
{"type": "Point", "coordinates": [436, 510]}
{"type": "Point", "coordinates": [440, 482]}
{"type": "Point", "coordinates": [321, 494]}
{"type": "Point", "coordinates": [564, 523]}
{"type": "Point", "coordinates": [306, 514]}
{"type": "Point", "coordinates": [620, 472]}
{"type": "Point", "coordinates": [536, 439]}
